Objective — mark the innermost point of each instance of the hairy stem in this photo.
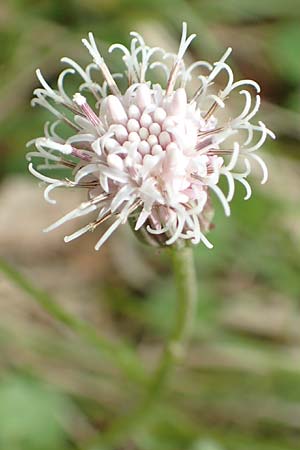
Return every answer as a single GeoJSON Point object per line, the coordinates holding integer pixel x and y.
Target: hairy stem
{"type": "Point", "coordinates": [185, 282]}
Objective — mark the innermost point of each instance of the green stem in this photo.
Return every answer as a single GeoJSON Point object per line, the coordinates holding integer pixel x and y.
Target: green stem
{"type": "Point", "coordinates": [185, 282]}
{"type": "Point", "coordinates": [121, 355]}
{"type": "Point", "coordinates": [186, 288]}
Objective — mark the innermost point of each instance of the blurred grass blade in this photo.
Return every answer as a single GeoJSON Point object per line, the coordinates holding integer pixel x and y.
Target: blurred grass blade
{"type": "Point", "coordinates": [120, 354]}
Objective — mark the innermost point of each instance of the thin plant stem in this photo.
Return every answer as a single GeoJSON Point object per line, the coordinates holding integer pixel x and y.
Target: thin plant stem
{"type": "Point", "coordinates": [185, 283]}
{"type": "Point", "coordinates": [120, 354]}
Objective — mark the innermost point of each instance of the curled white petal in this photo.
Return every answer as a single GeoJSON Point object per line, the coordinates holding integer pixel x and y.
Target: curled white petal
{"type": "Point", "coordinates": [108, 233]}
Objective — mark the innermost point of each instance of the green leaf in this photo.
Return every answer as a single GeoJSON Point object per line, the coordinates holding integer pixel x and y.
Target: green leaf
{"type": "Point", "coordinates": [285, 49]}
{"type": "Point", "coordinates": [31, 415]}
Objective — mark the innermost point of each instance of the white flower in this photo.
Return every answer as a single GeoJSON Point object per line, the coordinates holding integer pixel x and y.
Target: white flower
{"type": "Point", "coordinates": [152, 153]}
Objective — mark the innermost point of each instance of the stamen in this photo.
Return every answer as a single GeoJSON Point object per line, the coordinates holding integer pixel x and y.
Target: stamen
{"type": "Point", "coordinates": [92, 48]}
{"type": "Point", "coordinates": [211, 110]}
{"type": "Point", "coordinates": [81, 154]}
{"type": "Point", "coordinates": [80, 100]}
{"type": "Point", "coordinates": [184, 43]}
{"type": "Point", "coordinates": [210, 132]}
{"type": "Point", "coordinates": [67, 163]}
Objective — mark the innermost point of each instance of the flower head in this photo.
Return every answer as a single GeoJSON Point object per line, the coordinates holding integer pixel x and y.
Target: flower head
{"type": "Point", "coordinates": [151, 154]}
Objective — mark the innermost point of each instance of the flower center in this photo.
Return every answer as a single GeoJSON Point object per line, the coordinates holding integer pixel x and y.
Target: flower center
{"type": "Point", "coordinates": [145, 122]}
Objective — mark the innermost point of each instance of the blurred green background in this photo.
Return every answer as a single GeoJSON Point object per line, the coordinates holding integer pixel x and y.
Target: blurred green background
{"type": "Point", "coordinates": [70, 373]}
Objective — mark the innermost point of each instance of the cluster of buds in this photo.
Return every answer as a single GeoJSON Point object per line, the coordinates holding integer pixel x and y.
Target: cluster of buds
{"type": "Point", "coordinates": [152, 154]}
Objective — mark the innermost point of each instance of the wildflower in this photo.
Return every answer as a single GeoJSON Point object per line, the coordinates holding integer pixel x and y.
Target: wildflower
{"type": "Point", "coordinates": [151, 154]}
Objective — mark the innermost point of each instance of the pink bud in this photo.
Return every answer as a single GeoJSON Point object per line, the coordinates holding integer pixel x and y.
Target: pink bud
{"type": "Point", "coordinates": [143, 96]}
{"type": "Point", "coordinates": [115, 110]}
{"type": "Point", "coordinates": [178, 103]}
